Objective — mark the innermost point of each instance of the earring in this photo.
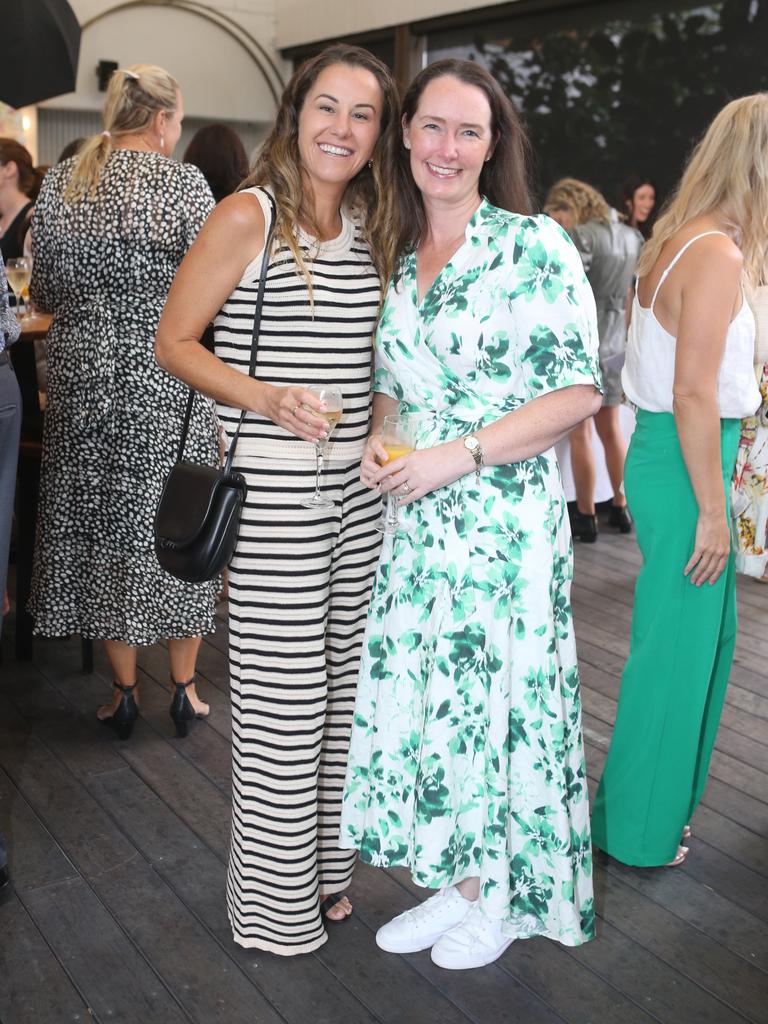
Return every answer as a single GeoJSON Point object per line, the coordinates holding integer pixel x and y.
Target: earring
{"type": "Point", "coordinates": [162, 143]}
{"type": "Point", "coordinates": [370, 163]}
{"type": "Point", "coordinates": [406, 144]}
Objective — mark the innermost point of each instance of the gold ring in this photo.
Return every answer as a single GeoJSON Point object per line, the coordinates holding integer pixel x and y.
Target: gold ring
{"type": "Point", "coordinates": [406, 487]}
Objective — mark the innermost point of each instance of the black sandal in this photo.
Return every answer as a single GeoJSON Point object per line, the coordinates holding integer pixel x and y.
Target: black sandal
{"type": "Point", "coordinates": [181, 711]}
{"type": "Point", "coordinates": [123, 719]}
{"type": "Point", "coordinates": [329, 902]}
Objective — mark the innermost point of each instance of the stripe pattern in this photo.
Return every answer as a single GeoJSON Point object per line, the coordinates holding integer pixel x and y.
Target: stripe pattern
{"type": "Point", "coordinates": [327, 341]}
{"type": "Point", "coordinates": [299, 586]}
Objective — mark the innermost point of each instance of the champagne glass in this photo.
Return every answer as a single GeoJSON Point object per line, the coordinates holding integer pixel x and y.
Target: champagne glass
{"type": "Point", "coordinates": [398, 436]}
{"type": "Point", "coordinates": [331, 398]}
{"type": "Point", "coordinates": [18, 272]}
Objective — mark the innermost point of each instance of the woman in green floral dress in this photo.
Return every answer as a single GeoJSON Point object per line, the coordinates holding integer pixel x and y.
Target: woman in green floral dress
{"type": "Point", "coordinates": [467, 763]}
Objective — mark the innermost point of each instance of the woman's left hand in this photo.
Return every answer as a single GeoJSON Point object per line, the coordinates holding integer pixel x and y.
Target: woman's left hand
{"type": "Point", "coordinates": [423, 471]}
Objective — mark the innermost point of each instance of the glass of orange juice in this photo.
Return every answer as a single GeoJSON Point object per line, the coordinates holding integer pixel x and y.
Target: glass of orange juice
{"type": "Point", "coordinates": [398, 436]}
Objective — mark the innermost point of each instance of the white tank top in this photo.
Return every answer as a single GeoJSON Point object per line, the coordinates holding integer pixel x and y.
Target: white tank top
{"type": "Point", "coordinates": [649, 370]}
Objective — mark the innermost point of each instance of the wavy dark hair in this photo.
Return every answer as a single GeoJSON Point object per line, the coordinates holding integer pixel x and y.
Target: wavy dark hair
{"type": "Point", "coordinates": [370, 193]}
{"type": "Point", "coordinates": [504, 180]}
{"type": "Point", "coordinates": [628, 189]}
{"type": "Point", "coordinates": [217, 150]}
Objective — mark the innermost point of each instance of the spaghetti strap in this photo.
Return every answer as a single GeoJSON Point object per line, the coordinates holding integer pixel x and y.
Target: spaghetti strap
{"type": "Point", "coordinates": [677, 256]}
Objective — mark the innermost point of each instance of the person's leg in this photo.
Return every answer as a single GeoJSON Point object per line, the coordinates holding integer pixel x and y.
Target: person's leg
{"type": "Point", "coordinates": [182, 654]}
{"type": "Point", "coordinates": [583, 467]}
{"type": "Point", "coordinates": [644, 797]}
{"type": "Point", "coordinates": [122, 659]}
{"type": "Point", "coordinates": [278, 601]}
{"type": "Point", "coordinates": [353, 568]}
{"type": "Point", "coordinates": [611, 436]}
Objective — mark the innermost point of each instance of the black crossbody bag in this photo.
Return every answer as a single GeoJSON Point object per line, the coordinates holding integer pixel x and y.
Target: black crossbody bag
{"type": "Point", "coordinates": [198, 516]}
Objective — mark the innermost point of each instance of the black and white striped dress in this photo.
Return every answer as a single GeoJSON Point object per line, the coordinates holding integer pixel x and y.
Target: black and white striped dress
{"type": "Point", "coordinates": [298, 592]}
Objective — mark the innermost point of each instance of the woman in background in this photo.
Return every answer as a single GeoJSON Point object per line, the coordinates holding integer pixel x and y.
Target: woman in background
{"type": "Point", "coordinates": [217, 151]}
{"type": "Point", "coordinates": [749, 492]}
{"type": "Point", "coordinates": [689, 371]}
{"type": "Point", "coordinates": [19, 186]}
{"type": "Point", "coordinates": [638, 203]}
{"type": "Point", "coordinates": [110, 230]}
{"type": "Point", "coordinates": [609, 251]}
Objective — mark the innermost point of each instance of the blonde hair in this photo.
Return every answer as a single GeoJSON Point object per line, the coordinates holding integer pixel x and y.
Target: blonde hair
{"type": "Point", "coordinates": [371, 194]}
{"type": "Point", "coordinates": [727, 173]}
{"type": "Point", "coordinates": [134, 97]}
{"type": "Point", "coordinates": [583, 201]}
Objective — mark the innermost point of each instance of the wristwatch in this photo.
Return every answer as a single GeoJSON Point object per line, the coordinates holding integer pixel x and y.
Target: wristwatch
{"type": "Point", "coordinates": [475, 449]}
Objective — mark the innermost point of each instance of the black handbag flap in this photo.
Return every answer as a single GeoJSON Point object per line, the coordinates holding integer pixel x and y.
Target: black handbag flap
{"type": "Point", "coordinates": [190, 493]}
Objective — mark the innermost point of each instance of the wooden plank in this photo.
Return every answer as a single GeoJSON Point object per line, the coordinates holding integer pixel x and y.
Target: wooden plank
{"type": "Point", "coordinates": [191, 962]}
{"type": "Point", "coordinates": [301, 989]}
{"type": "Point", "coordinates": [35, 987]}
{"type": "Point", "coordinates": [696, 956]}
{"type": "Point", "coordinates": [117, 981]}
{"type": "Point", "coordinates": [34, 856]}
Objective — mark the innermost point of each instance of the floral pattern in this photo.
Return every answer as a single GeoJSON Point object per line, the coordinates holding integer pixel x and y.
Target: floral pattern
{"type": "Point", "coordinates": [467, 755]}
{"type": "Point", "coordinates": [749, 489]}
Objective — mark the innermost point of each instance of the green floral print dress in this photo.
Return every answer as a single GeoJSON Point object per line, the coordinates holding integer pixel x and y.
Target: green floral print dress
{"type": "Point", "coordinates": [466, 756]}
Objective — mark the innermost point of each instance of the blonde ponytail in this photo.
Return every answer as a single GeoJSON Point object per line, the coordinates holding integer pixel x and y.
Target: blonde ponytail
{"type": "Point", "coordinates": [134, 96]}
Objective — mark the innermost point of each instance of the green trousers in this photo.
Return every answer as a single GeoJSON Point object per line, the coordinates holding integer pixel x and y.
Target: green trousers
{"type": "Point", "coordinates": [680, 654]}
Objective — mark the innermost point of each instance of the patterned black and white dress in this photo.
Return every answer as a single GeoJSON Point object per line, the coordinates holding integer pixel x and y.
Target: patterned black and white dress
{"type": "Point", "coordinates": [103, 267]}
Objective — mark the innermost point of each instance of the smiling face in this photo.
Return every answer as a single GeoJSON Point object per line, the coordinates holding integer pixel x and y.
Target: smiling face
{"type": "Point", "coordinates": [643, 202]}
{"type": "Point", "coordinates": [339, 124]}
{"type": "Point", "coordinates": [450, 138]}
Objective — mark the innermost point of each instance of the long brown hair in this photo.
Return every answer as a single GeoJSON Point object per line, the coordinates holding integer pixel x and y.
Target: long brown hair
{"type": "Point", "coordinates": [29, 178]}
{"type": "Point", "coordinates": [371, 191]}
{"type": "Point", "coordinates": [134, 97]}
{"type": "Point", "coordinates": [505, 176]}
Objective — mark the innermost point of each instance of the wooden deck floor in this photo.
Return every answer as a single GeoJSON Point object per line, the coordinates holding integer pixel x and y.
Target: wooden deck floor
{"type": "Point", "coordinates": [118, 852]}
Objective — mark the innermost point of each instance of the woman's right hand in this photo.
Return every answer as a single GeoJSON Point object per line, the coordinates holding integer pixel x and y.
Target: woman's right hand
{"type": "Point", "coordinates": [286, 407]}
{"type": "Point", "coordinates": [711, 549]}
{"type": "Point", "coordinates": [374, 456]}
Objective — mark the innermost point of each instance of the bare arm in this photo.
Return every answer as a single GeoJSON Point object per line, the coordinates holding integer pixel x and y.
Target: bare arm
{"type": "Point", "coordinates": [231, 237]}
{"type": "Point", "coordinates": [708, 283]}
{"type": "Point", "coordinates": [522, 434]}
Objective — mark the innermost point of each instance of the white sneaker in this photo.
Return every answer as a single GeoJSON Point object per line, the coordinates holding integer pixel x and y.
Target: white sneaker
{"type": "Point", "coordinates": [474, 942]}
{"type": "Point", "coordinates": [420, 927]}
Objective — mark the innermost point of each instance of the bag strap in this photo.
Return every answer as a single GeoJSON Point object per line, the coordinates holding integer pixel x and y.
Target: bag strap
{"type": "Point", "coordinates": [254, 340]}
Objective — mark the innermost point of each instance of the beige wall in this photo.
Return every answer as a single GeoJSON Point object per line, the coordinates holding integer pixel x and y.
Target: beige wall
{"type": "Point", "coordinates": [306, 21]}
{"type": "Point", "coordinates": [217, 77]}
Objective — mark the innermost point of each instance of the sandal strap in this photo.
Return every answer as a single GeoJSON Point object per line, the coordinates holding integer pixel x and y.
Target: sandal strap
{"type": "Point", "coordinates": [125, 687]}
{"type": "Point", "coordinates": [183, 685]}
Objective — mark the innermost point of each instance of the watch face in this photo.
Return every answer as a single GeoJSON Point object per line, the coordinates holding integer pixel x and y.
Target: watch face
{"type": "Point", "coordinates": [472, 443]}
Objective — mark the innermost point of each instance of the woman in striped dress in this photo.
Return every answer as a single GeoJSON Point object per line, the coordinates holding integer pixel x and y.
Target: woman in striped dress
{"type": "Point", "coordinates": [300, 579]}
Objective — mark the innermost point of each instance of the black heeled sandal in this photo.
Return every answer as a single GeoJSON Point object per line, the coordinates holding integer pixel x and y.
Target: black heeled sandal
{"type": "Point", "coordinates": [181, 711]}
{"type": "Point", "coordinates": [123, 718]}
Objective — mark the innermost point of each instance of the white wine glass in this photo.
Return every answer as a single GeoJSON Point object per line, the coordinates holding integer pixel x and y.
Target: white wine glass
{"type": "Point", "coordinates": [19, 273]}
{"type": "Point", "coordinates": [331, 398]}
{"type": "Point", "coordinates": [398, 437]}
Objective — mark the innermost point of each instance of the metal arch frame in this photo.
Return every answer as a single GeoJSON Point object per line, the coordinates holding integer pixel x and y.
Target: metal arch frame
{"type": "Point", "coordinates": [258, 54]}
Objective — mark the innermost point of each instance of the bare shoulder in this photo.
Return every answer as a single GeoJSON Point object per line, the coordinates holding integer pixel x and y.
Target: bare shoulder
{"type": "Point", "coordinates": [241, 214]}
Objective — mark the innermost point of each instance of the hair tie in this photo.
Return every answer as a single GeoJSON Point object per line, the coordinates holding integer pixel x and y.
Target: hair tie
{"type": "Point", "coordinates": [108, 134]}
{"type": "Point", "coordinates": [130, 74]}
